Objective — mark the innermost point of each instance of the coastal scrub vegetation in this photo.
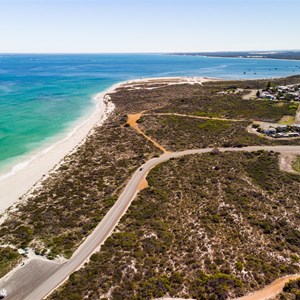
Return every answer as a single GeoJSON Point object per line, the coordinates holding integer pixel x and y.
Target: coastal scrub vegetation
{"type": "Point", "coordinates": [208, 227]}
{"type": "Point", "coordinates": [291, 291]}
{"type": "Point", "coordinates": [209, 101]}
{"type": "Point", "coordinates": [56, 218]}
{"type": "Point", "coordinates": [206, 100]}
{"type": "Point", "coordinates": [9, 258]}
{"type": "Point", "coordinates": [180, 133]}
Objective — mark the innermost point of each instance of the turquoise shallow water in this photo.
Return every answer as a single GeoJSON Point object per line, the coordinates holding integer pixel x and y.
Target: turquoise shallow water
{"type": "Point", "coordinates": [43, 95]}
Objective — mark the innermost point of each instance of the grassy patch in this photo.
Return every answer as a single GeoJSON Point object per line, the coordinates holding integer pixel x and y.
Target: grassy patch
{"type": "Point", "coordinates": [296, 164]}
{"type": "Point", "coordinates": [214, 125]}
{"type": "Point", "coordinates": [287, 120]}
{"type": "Point", "coordinates": [278, 104]}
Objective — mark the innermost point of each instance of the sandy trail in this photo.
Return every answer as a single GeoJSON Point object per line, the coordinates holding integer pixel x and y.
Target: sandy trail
{"type": "Point", "coordinates": [172, 299]}
{"type": "Point", "coordinates": [194, 117]}
{"type": "Point", "coordinates": [267, 293]}
{"type": "Point", "coordinates": [132, 121]}
{"type": "Point", "coordinates": [270, 291]}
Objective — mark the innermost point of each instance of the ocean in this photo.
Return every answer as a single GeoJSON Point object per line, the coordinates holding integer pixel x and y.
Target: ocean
{"type": "Point", "coordinates": [43, 96]}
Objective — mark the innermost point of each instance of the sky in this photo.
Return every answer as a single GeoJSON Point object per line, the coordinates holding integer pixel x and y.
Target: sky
{"type": "Point", "coordinates": [130, 26]}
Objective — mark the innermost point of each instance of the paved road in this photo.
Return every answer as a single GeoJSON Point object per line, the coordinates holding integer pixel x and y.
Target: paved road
{"type": "Point", "coordinates": [109, 222]}
{"type": "Point", "coordinates": [19, 284]}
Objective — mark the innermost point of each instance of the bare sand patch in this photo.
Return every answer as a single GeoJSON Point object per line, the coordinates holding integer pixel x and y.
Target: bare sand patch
{"type": "Point", "coordinates": [143, 184]}
{"type": "Point", "coordinates": [286, 162]}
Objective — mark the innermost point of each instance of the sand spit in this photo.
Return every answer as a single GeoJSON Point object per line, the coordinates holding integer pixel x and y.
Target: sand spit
{"type": "Point", "coordinates": [154, 83]}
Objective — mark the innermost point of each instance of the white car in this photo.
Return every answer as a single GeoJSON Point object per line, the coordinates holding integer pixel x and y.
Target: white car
{"type": "Point", "coordinates": [2, 294]}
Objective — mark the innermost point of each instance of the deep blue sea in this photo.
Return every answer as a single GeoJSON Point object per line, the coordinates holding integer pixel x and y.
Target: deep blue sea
{"type": "Point", "coordinates": [41, 96]}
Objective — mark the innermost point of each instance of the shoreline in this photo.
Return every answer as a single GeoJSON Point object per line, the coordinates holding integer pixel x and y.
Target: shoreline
{"type": "Point", "coordinates": [120, 207]}
{"type": "Point", "coordinates": [28, 175]}
{"type": "Point", "coordinates": [25, 176]}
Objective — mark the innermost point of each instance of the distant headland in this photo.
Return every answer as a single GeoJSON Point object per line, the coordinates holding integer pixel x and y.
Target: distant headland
{"type": "Point", "coordinates": [292, 55]}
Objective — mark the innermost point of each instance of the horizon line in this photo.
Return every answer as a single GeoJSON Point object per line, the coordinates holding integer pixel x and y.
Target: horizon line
{"type": "Point", "coordinates": [151, 52]}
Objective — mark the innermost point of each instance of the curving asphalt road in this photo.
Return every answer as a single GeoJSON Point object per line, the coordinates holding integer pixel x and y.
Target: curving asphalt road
{"type": "Point", "coordinates": [109, 222]}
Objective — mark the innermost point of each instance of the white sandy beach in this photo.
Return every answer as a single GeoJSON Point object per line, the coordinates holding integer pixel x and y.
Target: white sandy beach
{"type": "Point", "coordinates": [25, 176]}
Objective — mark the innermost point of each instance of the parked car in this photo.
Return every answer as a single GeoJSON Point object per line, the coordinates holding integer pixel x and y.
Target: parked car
{"type": "Point", "coordinates": [2, 294]}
